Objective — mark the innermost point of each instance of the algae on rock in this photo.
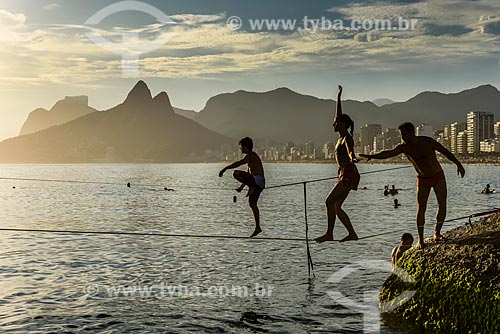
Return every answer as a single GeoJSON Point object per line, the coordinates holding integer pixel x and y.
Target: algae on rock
{"type": "Point", "coordinates": [457, 281]}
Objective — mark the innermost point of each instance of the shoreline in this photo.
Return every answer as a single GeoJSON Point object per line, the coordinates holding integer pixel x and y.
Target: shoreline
{"type": "Point", "coordinates": [381, 162]}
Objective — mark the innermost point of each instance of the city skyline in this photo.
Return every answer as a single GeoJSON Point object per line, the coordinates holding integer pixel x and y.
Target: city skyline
{"type": "Point", "coordinates": [453, 136]}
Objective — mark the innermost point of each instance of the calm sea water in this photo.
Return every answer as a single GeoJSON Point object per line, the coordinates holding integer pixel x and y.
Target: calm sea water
{"type": "Point", "coordinates": [77, 283]}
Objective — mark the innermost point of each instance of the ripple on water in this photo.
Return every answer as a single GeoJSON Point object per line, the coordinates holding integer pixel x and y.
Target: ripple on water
{"type": "Point", "coordinates": [45, 278]}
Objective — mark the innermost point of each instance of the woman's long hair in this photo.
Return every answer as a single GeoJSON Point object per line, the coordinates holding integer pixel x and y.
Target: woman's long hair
{"type": "Point", "coordinates": [347, 120]}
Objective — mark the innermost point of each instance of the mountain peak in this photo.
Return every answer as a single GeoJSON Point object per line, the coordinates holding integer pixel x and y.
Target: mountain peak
{"type": "Point", "coordinates": [162, 102]}
{"type": "Point", "coordinates": [140, 93]}
{"type": "Point", "coordinates": [66, 110]}
{"type": "Point", "coordinates": [484, 88]}
{"type": "Point", "coordinates": [71, 102]}
{"type": "Point", "coordinates": [162, 98]}
{"type": "Point", "coordinates": [283, 91]}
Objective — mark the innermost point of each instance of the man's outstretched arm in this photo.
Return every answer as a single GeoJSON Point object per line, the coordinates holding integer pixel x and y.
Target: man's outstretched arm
{"type": "Point", "coordinates": [234, 165]}
{"type": "Point", "coordinates": [385, 154]}
{"type": "Point", "coordinates": [450, 156]}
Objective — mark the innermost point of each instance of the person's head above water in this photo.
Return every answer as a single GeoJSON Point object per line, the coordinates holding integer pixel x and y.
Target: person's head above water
{"type": "Point", "coordinates": [393, 187]}
{"type": "Point", "coordinates": [407, 239]}
{"type": "Point", "coordinates": [343, 123]}
{"type": "Point", "coordinates": [407, 131]}
{"type": "Point", "coordinates": [246, 145]}
{"type": "Point", "coordinates": [488, 185]}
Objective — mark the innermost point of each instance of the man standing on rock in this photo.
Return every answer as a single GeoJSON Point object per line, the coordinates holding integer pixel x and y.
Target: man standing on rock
{"type": "Point", "coordinates": [421, 152]}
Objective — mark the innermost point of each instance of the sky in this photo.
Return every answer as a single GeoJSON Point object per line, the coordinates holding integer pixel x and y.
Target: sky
{"type": "Point", "coordinates": [193, 50]}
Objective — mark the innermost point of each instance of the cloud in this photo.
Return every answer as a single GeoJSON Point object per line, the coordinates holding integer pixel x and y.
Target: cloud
{"type": "Point", "coordinates": [10, 26]}
{"type": "Point", "coordinates": [381, 10]}
{"type": "Point", "coordinates": [490, 25]}
{"type": "Point", "coordinates": [52, 6]}
{"type": "Point", "coordinates": [203, 46]}
{"type": "Point", "coordinates": [437, 30]}
{"type": "Point", "coordinates": [192, 19]}
{"type": "Point", "coordinates": [10, 20]}
{"type": "Point", "coordinates": [450, 17]}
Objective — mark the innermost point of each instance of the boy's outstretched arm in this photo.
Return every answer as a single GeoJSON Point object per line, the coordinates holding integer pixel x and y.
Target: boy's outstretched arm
{"type": "Point", "coordinates": [385, 154]}
{"type": "Point", "coordinates": [233, 165]}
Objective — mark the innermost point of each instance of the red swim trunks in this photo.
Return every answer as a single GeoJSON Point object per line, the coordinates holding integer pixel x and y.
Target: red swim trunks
{"type": "Point", "coordinates": [430, 181]}
{"type": "Point", "coordinates": [349, 176]}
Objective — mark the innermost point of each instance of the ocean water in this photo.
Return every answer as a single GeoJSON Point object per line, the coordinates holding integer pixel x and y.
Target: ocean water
{"type": "Point", "coordinates": [72, 283]}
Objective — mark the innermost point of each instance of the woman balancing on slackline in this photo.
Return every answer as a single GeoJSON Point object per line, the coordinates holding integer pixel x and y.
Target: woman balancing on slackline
{"type": "Point", "coordinates": [348, 175]}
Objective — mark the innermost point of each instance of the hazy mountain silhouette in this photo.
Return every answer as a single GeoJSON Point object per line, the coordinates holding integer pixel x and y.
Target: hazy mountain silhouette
{"type": "Point", "coordinates": [281, 115]}
{"type": "Point", "coordinates": [284, 115]}
{"type": "Point", "coordinates": [191, 114]}
{"type": "Point", "coordinates": [142, 128]}
{"type": "Point", "coordinates": [72, 107]}
{"type": "Point", "coordinates": [382, 102]}
{"type": "Point", "coordinates": [438, 109]}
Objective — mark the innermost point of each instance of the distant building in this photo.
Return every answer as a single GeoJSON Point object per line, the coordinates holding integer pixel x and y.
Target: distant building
{"type": "Point", "coordinates": [446, 132]}
{"type": "Point", "coordinates": [455, 129]}
{"type": "Point", "coordinates": [276, 155]}
{"type": "Point", "coordinates": [367, 133]}
{"type": "Point", "coordinates": [445, 141]}
{"type": "Point", "coordinates": [490, 145]}
{"type": "Point", "coordinates": [424, 130]}
{"type": "Point", "coordinates": [378, 143]}
{"type": "Point", "coordinates": [392, 138]}
{"type": "Point", "coordinates": [310, 150]}
{"type": "Point", "coordinates": [329, 150]}
{"type": "Point", "coordinates": [496, 129]}
{"type": "Point", "coordinates": [294, 154]}
{"type": "Point", "coordinates": [270, 154]}
{"type": "Point", "coordinates": [461, 142]}
{"type": "Point", "coordinates": [479, 128]}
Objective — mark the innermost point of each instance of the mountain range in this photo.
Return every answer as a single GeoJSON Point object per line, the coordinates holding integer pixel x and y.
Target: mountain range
{"type": "Point", "coordinates": [281, 115]}
{"type": "Point", "coordinates": [143, 128]}
{"type": "Point", "coordinates": [284, 115]}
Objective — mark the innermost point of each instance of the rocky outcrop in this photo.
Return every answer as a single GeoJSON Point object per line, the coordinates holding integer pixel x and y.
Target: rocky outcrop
{"type": "Point", "coordinates": [457, 282]}
{"type": "Point", "coordinates": [71, 108]}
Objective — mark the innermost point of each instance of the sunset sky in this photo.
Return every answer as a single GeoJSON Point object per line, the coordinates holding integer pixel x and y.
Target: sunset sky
{"type": "Point", "coordinates": [46, 53]}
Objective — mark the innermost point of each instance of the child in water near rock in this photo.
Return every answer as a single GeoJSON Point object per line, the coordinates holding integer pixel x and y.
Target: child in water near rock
{"type": "Point", "coordinates": [404, 245]}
